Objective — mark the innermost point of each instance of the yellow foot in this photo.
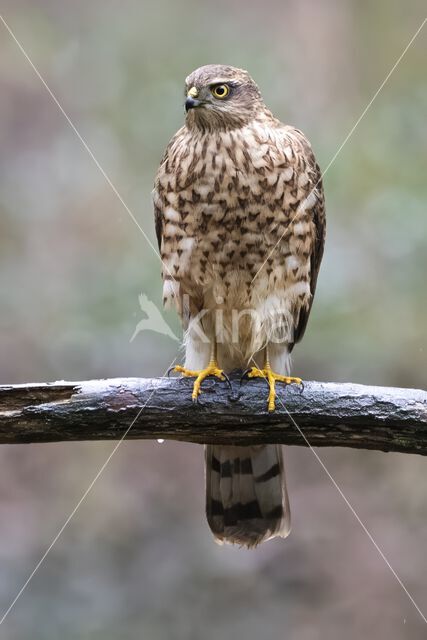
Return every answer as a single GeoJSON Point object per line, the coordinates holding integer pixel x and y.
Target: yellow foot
{"type": "Point", "coordinates": [211, 370]}
{"type": "Point", "coordinates": [272, 378]}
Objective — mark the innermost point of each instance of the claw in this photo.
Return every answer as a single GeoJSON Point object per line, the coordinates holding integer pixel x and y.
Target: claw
{"type": "Point", "coordinates": [271, 378]}
{"type": "Point", "coordinates": [211, 370]}
{"type": "Point", "coordinates": [227, 380]}
{"type": "Point", "coordinates": [244, 374]}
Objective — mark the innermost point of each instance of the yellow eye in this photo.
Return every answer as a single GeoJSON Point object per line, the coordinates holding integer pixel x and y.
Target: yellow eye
{"type": "Point", "coordinates": [220, 91]}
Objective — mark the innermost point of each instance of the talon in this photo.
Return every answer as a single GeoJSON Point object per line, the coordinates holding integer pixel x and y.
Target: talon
{"type": "Point", "coordinates": [227, 380]}
{"type": "Point", "coordinates": [183, 371]}
{"type": "Point", "coordinates": [244, 374]}
{"type": "Point", "coordinates": [211, 370]}
{"type": "Point", "coordinates": [271, 377]}
{"type": "Point", "coordinates": [254, 372]}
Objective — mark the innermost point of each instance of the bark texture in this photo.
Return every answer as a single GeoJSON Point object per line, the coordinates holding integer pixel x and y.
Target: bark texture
{"type": "Point", "coordinates": [327, 413]}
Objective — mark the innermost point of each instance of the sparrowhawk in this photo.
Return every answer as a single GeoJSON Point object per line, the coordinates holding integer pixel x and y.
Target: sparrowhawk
{"type": "Point", "coordinates": [240, 221]}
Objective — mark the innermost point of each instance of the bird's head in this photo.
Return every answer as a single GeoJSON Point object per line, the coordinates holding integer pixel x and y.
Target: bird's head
{"type": "Point", "coordinates": [221, 97]}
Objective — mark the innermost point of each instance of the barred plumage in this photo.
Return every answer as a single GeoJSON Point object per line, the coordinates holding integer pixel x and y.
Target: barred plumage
{"type": "Point", "coordinates": [240, 222]}
{"type": "Point", "coordinates": [246, 497]}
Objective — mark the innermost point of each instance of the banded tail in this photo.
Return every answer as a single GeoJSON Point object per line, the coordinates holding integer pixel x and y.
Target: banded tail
{"type": "Point", "coordinates": [246, 497]}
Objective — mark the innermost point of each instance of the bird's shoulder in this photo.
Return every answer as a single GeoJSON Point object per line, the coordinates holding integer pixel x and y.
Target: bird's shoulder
{"type": "Point", "coordinates": [287, 145]}
{"type": "Point", "coordinates": [175, 146]}
{"type": "Point", "coordinates": [283, 162]}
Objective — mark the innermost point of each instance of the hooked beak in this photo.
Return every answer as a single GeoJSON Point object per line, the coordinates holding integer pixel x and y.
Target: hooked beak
{"type": "Point", "coordinates": [191, 103]}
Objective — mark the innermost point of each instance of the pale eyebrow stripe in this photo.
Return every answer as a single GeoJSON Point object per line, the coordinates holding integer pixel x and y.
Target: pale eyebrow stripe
{"type": "Point", "coordinates": [229, 81]}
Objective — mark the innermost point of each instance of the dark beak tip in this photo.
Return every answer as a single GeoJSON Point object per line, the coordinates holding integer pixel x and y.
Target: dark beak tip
{"type": "Point", "coordinates": [190, 103]}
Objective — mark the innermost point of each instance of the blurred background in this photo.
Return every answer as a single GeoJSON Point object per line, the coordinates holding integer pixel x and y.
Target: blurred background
{"type": "Point", "coordinates": [138, 560]}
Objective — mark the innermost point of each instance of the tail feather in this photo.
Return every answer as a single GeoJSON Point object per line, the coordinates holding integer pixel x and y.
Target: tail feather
{"type": "Point", "coordinates": [246, 497]}
{"type": "Point", "coordinates": [226, 482]}
{"type": "Point", "coordinates": [213, 492]}
{"type": "Point", "coordinates": [247, 489]}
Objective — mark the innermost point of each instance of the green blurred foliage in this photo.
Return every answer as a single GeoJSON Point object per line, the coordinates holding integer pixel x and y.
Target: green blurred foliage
{"type": "Point", "coordinates": [137, 560]}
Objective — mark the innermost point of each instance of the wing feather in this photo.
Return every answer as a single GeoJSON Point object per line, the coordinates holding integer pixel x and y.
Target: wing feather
{"type": "Point", "coordinates": [304, 157]}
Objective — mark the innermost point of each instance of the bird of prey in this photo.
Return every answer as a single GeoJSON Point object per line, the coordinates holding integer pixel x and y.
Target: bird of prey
{"type": "Point", "coordinates": [240, 222]}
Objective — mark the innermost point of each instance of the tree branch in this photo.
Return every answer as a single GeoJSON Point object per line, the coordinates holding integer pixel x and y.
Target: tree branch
{"type": "Point", "coordinates": [328, 414]}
